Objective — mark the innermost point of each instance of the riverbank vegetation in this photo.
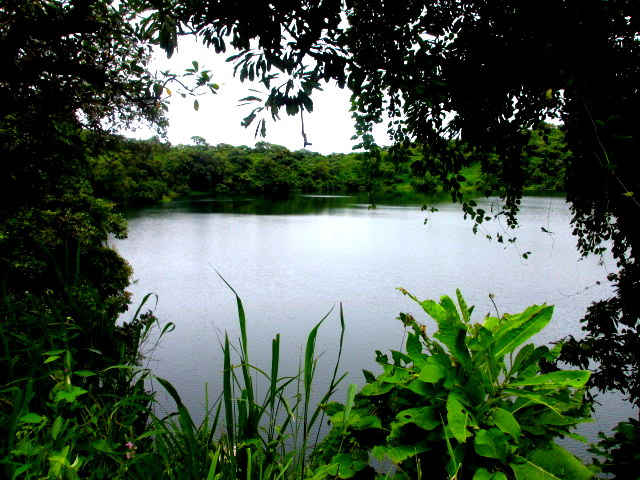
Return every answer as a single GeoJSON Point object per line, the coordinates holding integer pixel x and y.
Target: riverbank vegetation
{"type": "Point", "coordinates": [451, 402]}
{"type": "Point", "coordinates": [465, 86]}
{"type": "Point", "coordinates": [144, 171]}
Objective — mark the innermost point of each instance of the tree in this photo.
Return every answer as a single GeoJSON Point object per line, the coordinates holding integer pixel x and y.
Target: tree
{"type": "Point", "coordinates": [485, 74]}
{"type": "Point", "coordinates": [65, 68]}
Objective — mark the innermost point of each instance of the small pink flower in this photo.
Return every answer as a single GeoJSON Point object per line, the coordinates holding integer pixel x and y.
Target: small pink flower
{"type": "Point", "coordinates": [129, 445]}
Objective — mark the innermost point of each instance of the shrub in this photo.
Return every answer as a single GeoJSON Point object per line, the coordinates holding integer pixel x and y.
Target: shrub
{"type": "Point", "coordinates": [465, 404]}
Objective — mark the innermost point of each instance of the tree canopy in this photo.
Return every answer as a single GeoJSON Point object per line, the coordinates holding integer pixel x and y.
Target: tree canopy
{"type": "Point", "coordinates": [65, 67]}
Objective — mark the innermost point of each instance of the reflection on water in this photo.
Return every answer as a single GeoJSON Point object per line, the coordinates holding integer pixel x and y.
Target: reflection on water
{"type": "Point", "coordinates": [292, 261]}
{"type": "Point", "coordinates": [294, 205]}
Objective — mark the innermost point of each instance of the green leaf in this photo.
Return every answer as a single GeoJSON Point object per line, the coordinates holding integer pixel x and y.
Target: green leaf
{"type": "Point", "coordinates": [528, 357]}
{"type": "Point", "coordinates": [435, 311]}
{"type": "Point", "coordinates": [101, 445]}
{"type": "Point", "coordinates": [491, 443]}
{"type": "Point", "coordinates": [401, 452]}
{"type": "Point", "coordinates": [554, 380]}
{"type": "Point", "coordinates": [432, 373]}
{"type": "Point", "coordinates": [457, 418]}
{"type": "Point", "coordinates": [345, 465]}
{"type": "Point", "coordinates": [84, 373]}
{"type": "Point", "coordinates": [351, 393]}
{"type": "Point", "coordinates": [32, 418]}
{"type": "Point", "coordinates": [530, 471]}
{"type": "Point", "coordinates": [377, 388]}
{"type": "Point", "coordinates": [424, 417]}
{"type": "Point", "coordinates": [196, 105]}
{"type": "Point", "coordinates": [529, 397]}
{"type": "Point", "coordinates": [483, 474]}
{"type": "Point", "coordinates": [57, 426]}
{"type": "Point", "coordinates": [466, 311]}
{"type": "Point", "coordinates": [519, 328]}
{"type": "Point", "coordinates": [55, 352]}
{"type": "Point", "coordinates": [506, 422]}
{"type": "Point", "coordinates": [414, 350]}
{"type": "Point", "coordinates": [423, 389]}
{"type": "Point", "coordinates": [51, 359]}
{"type": "Point", "coordinates": [69, 394]}
{"type": "Point", "coordinates": [551, 463]}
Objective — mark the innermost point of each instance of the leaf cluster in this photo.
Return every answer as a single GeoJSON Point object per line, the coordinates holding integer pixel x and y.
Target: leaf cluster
{"type": "Point", "coordinates": [469, 401]}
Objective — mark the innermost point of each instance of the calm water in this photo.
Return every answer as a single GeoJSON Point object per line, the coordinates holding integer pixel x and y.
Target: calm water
{"type": "Point", "coordinates": [292, 261]}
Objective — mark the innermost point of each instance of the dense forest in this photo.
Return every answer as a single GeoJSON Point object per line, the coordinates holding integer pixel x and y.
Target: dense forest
{"type": "Point", "coordinates": [142, 171]}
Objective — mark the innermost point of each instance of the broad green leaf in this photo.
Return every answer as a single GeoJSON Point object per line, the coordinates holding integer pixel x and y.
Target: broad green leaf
{"type": "Point", "coordinates": [196, 105]}
{"type": "Point", "coordinates": [401, 452]}
{"type": "Point", "coordinates": [551, 463]}
{"type": "Point", "coordinates": [356, 420]}
{"type": "Point", "coordinates": [565, 378]}
{"type": "Point", "coordinates": [530, 471]}
{"type": "Point", "coordinates": [483, 474]}
{"type": "Point", "coordinates": [432, 373]}
{"type": "Point", "coordinates": [435, 310]}
{"type": "Point", "coordinates": [377, 388]}
{"type": "Point", "coordinates": [419, 387]}
{"type": "Point", "coordinates": [457, 418]}
{"type": "Point", "coordinates": [554, 418]}
{"type": "Point", "coordinates": [424, 417]}
{"type": "Point", "coordinates": [491, 323]}
{"type": "Point", "coordinates": [32, 418]}
{"type": "Point", "coordinates": [506, 422]}
{"type": "Point", "coordinates": [399, 358]}
{"type": "Point", "coordinates": [520, 328]}
{"type": "Point", "coordinates": [101, 445]}
{"type": "Point", "coordinates": [522, 356]}
{"type": "Point", "coordinates": [491, 443]}
{"type": "Point", "coordinates": [84, 373]}
{"type": "Point", "coordinates": [70, 394]}
{"type": "Point", "coordinates": [527, 364]}
{"type": "Point", "coordinates": [414, 350]}
{"type": "Point", "coordinates": [553, 403]}
{"type": "Point", "coordinates": [344, 465]}
{"type": "Point", "coordinates": [359, 422]}
{"type": "Point", "coordinates": [450, 307]}
{"type": "Point", "coordinates": [396, 375]}
{"type": "Point", "coordinates": [51, 359]}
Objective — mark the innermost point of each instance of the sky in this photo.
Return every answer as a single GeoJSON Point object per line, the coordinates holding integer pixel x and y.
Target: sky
{"type": "Point", "coordinates": [329, 127]}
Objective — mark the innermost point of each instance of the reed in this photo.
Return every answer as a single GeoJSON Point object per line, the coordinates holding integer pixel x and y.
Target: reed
{"type": "Point", "coordinates": [250, 436]}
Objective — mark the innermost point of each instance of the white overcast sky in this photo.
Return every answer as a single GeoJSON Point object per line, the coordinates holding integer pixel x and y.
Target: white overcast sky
{"type": "Point", "coordinates": [329, 127]}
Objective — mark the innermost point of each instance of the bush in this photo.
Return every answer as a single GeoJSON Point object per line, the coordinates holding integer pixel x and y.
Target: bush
{"type": "Point", "coordinates": [464, 404]}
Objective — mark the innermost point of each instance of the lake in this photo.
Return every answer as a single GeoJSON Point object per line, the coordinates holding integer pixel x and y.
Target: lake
{"type": "Point", "coordinates": [292, 261]}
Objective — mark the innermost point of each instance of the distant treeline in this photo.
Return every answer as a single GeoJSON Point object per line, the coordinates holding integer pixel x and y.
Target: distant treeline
{"type": "Point", "coordinates": [144, 171]}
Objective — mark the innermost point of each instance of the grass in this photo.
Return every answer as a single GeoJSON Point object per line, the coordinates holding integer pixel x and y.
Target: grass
{"type": "Point", "coordinates": [243, 435]}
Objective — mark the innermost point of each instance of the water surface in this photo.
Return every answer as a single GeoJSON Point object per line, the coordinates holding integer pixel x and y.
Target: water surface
{"type": "Point", "coordinates": [293, 261]}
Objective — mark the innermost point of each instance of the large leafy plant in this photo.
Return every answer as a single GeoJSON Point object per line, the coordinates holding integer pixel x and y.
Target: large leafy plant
{"type": "Point", "coordinates": [470, 402]}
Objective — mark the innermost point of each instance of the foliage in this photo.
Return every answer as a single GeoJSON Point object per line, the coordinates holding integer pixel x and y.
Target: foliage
{"type": "Point", "coordinates": [469, 402]}
{"type": "Point", "coordinates": [483, 74]}
{"type": "Point", "coordinates": [71, 389]}
{"type": "Point", "coordinates": [620, 451]}
{"type": "Point", "coordinates": [64, 66]}
{"type": "Point", "coordinates": [72, 411]}
{"type": "Point", "coordinates": [143, 171]}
